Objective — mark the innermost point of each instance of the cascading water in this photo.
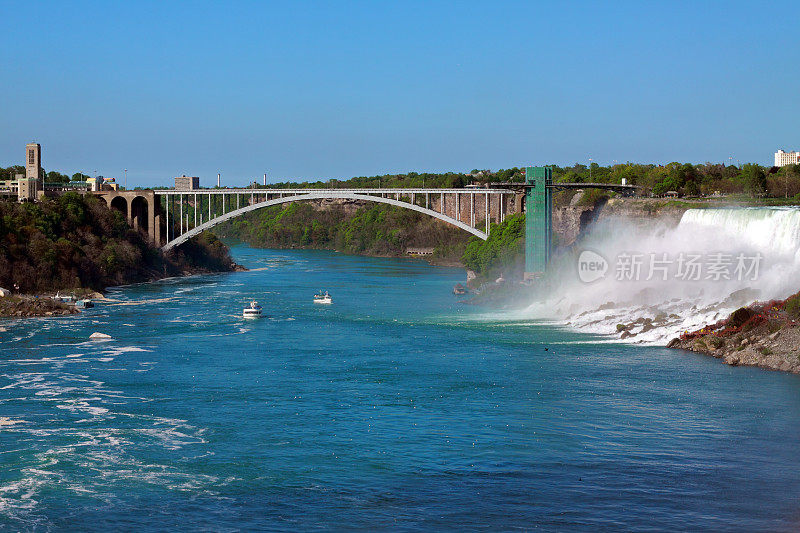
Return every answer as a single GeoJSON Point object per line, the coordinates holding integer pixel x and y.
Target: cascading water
{"type": "Point", "coordinates": [658, 281]}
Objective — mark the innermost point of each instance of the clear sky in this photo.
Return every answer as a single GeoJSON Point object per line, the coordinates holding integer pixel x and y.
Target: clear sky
{"type": "Point", "coordinates": [318, 90]}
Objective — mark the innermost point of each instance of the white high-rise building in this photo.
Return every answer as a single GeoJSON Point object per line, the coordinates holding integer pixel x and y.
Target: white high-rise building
{"type": "Point", "coordinates": [786, 158]}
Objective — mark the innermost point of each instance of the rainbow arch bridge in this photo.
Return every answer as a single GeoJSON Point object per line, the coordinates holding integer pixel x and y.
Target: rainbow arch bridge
{"type": "Point", "coordinates": [171, 217]}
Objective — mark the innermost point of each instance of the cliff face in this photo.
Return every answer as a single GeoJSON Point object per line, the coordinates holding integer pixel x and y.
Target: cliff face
{"type": "Point", "coordinates": [570, 221]}
{"type": "Point", "coordinates": [644, 210]}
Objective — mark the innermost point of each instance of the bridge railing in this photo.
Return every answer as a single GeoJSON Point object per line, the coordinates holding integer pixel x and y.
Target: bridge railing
{"type": "Point", "coordinates": [191, 211]}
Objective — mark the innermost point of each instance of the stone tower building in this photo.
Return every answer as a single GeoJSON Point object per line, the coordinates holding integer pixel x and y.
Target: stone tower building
{"type": "Point", "coordinates": [33, 181]}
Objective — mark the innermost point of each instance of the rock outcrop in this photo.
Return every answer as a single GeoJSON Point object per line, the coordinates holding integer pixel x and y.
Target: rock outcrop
{"type": "Point", "coordinates": [762, 335]}
{"type": "Point", "coordinates": [27, 306]}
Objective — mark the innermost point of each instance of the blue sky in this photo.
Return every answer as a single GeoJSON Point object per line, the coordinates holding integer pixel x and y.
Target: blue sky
{"type": "Point", "coordinates": [317, 90]}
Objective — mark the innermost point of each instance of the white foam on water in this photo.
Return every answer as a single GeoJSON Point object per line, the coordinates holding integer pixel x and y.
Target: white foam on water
{"type": "Point", "coordinates": [72, 446]}
{"type": "Point", "coordinates": [680, 305]}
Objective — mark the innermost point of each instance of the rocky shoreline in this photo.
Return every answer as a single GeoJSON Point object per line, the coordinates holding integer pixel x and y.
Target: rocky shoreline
{"type": "Point", "coordinates": [39, 305]}
{"type": "Point", "coordinates": [765, 335]}
{"type": "Point", "coordinates": [21, 306]}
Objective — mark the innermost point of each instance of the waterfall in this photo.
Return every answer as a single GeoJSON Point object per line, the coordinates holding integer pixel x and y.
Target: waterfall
{"type": "Point", "coordinates": [659, 280]}
{"type": "Point", "coordinates": [776, 230]}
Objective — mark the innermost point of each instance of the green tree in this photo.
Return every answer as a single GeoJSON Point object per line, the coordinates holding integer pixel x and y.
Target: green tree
{"type": "Point", "coordinates": [754, 179]}
{"type": "Point", "coordinates": [502, 252]}
{"type": "Point", "coordinates": [56, 177]}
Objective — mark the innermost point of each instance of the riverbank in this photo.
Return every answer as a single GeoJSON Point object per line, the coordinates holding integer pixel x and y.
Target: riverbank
{"type": "Point", "coordinates": [75, 244]}
{"type": "Point", "coordinates": [22, 306]}
{"type": "Point", "coordinates": [765, 335]}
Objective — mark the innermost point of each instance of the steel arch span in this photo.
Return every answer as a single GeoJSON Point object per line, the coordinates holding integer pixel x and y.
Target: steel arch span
{"type": "Point", "coordinates": [319, 195]}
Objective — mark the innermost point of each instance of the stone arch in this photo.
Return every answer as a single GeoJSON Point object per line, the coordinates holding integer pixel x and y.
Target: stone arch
{"type": "Point", "coordinates": [139, 214]}
{"type": "Point", "coordinates": [120, 204]}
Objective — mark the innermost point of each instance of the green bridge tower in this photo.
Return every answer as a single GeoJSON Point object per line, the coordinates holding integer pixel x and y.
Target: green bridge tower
{"type": "Point", "coordinates": [538, 220]}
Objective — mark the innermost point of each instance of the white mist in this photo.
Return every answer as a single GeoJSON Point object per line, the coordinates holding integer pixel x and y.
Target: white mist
{"type": "Point", "coordinates": [770, 237]}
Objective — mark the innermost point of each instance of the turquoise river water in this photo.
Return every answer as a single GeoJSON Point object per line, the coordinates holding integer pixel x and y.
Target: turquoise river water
{"type": "Point", "coordinates": [395, 408]}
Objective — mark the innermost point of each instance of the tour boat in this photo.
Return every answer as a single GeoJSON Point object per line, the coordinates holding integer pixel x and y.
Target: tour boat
{"type": "Point", "coordinates": [64, 299]}
{"type": "Point", "coordinates": [254, 311]}
{"type": "Point", "coordinates": [321, 298]}
{"type": "Point", "coordinates": [84, 304]}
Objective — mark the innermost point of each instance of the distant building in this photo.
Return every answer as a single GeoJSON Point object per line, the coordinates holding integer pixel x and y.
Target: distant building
{"type": "Point", "coordinates": [419, 251]}
{"type": "Point", "coordinates": [33, 161]}
{"type": "Point", "coordinates": [11, 186]}
{"type": "Point", "coordinates": [110, 184]}
{"type": "Point", "coordinates": [187, 183]}
{"type": "Point", "coordinates": [101, 184]}
{"type": "Point", "coordinates": [786, 158]}
{"type": "Point", "coordinates": [28, 187]}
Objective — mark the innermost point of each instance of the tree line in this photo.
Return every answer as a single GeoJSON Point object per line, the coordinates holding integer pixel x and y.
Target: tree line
{"type": "Point", "coordinates": [686, 179]}
{"type": "Point", "coordinates": [10, 173]}
{"type": "Point", "coordinates": [683, 178]}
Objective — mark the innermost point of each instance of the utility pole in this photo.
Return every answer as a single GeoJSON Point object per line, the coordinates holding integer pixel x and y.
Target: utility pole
{"type": "Point", "coordinates": [126, 179]}
{"type": "Point", "coordinates": [590, 170]}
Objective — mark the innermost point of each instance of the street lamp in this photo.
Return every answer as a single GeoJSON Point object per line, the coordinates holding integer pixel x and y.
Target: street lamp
{"type": "Point", "coordinates": [126, 179]}
{"type": "Point", "coordinates": [590, 170]}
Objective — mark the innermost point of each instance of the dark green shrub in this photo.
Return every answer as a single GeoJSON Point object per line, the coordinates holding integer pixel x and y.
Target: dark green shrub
{"type": "Point", "coordinates": [593, 197]}
{"type": "Point", "coordinates": [792, 306]}
{"type": "Point", "coordinates": [740, 316]}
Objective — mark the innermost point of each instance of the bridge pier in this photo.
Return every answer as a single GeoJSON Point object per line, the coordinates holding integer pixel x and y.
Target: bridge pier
{"type": "Point", "coordinates": [141, 210]}
{"type": "Point", "coordinates": [538, 220]}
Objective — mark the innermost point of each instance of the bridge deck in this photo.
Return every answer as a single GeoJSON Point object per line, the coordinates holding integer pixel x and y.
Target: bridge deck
{"type": "Point", "coordinates": [468, 190]}
{"type": "Point", "coordinates": [613, 186]}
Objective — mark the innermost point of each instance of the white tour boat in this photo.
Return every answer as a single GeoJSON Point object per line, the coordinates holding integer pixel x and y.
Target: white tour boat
{"type": "Point", "coordinates": [321, 298]}
{"type": "Point", "coordinates": [254, 311]}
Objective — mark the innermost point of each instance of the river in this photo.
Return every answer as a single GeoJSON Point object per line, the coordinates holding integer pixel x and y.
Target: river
{"type": "Point", "coordinates": [394, 408]}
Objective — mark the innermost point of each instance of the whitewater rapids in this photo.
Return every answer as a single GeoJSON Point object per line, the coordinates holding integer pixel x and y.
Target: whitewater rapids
{"type": "Point", "coordinates": [744, 255]}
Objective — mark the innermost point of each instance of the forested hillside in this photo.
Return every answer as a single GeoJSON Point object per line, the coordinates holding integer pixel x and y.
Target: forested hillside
{"type": "Point", "coordinates": [503, 253]}
{"type": "Point", "coordinates": [379, 230]}
{"type": "Point", "coordinates": [75, 241]}
{"type": "Point", "coordinates": [382, 230]}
